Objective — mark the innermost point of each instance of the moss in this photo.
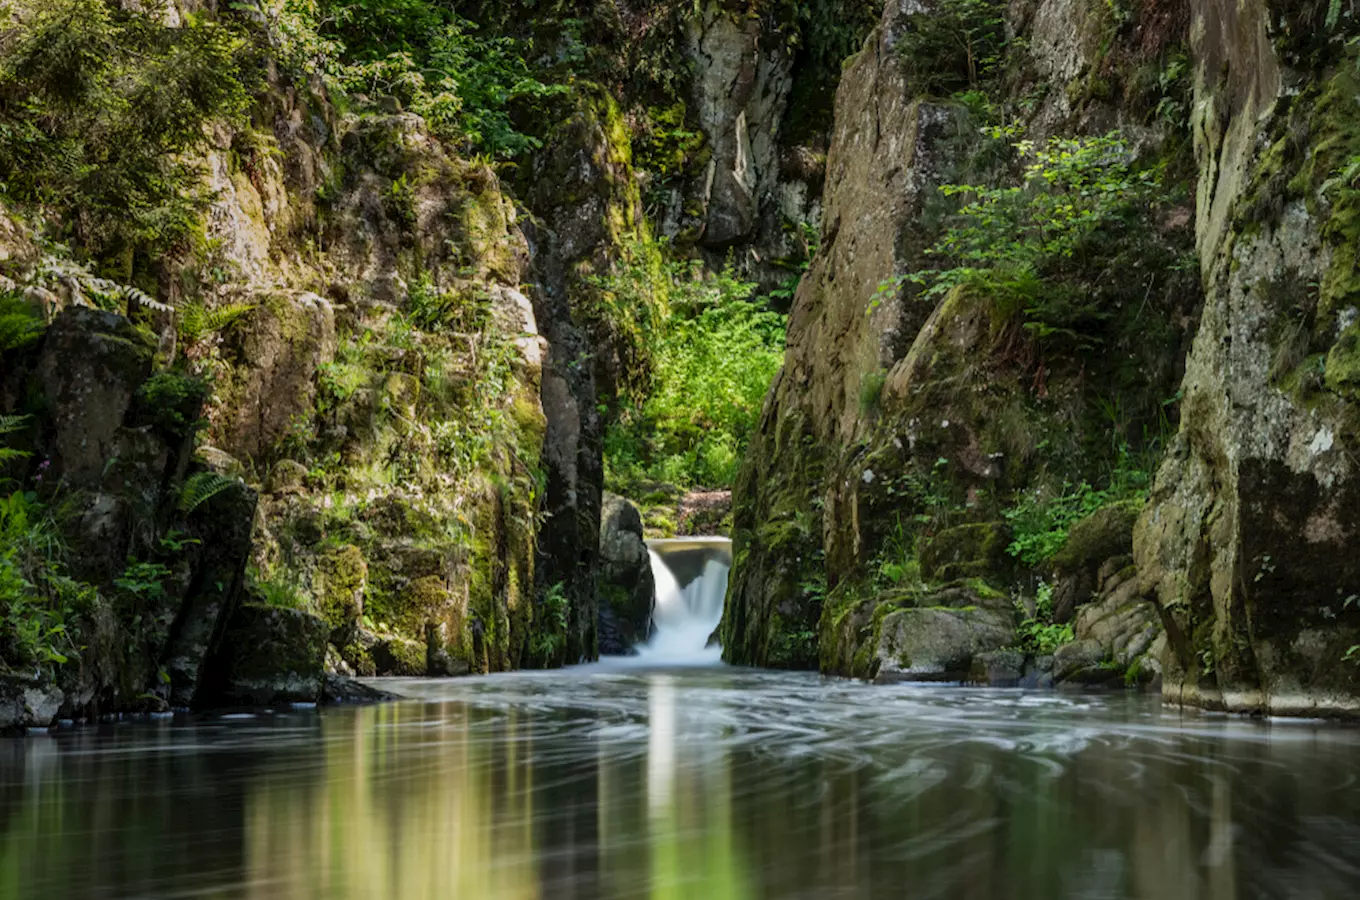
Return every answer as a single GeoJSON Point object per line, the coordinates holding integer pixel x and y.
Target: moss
{"type": "Point", "coordinates": [982, 590]}
{"type": "Point", "coordinates": [344, 582]}
{"type": "Point", "coordinates": [966, 551]}
{"type": "Point", "coordinates": [1343, 364]}
{"type": "Point", "coordinates": [1333, 148]}
{"type": "Point", "coordinates": [359, 658]}
{"type": "Point", "coordinates": [1106, 533]}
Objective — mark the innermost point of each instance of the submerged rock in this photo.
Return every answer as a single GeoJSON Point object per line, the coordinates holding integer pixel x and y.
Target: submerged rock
{"type": "Point", "coordinates": [342, 690]}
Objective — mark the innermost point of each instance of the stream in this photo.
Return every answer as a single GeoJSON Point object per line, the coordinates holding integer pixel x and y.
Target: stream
{"type": "Point", "coordinates": [621, 780]}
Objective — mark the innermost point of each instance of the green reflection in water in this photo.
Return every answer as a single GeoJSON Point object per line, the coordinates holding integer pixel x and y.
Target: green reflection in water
{"type": "Point", "coordinates": [719, 785]}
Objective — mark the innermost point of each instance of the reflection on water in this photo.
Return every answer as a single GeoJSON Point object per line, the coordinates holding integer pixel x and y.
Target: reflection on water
{"type": "Point", "coordinates": [621, 783]}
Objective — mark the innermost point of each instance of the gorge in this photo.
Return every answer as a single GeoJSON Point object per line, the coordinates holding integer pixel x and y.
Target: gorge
{"type": "Point", "coordinates": [666, 426]}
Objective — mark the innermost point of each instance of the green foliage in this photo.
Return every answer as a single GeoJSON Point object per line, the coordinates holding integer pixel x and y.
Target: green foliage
{"type": "Point", "coordinates": [11, 425]}
{"type": "Point", "coordinates": [279, 588]}
{"type": "Point", "coordinates": [20, 325]}
{"type": "Point", "coordinates": [955, 46]}
{"type": "Point", "coordinates": [550, 634]}
{"type": "Point", "coordinates": [1050, 250]}
{"type": "Point", "coordinates": [143, 579]}
{"type": "Point", "coordinates": [39, 604]}
{"type": "Point", "coordinates": [173, 402]}
{"type": "Point", "coordinates": [1041, 520]}
{"type": "Point", "coordinates": [714, 357]}
{"type": "Point", "coordinates": [202, 487]}
{"type": "Point", "coordinates": [870, 391]}
{"type": "Point", "coordinates": [664, 145]}
{"type": "Point", "coordinates": [436, 384]}
{"type": "Point", "coordinates": [196, 321]}
{"type": "Point", "coordinates": [464, 82]}
{"type": "Point", "coordinates": [98, 110]}
{"type": "Point", "coordinates": [1037, 634]}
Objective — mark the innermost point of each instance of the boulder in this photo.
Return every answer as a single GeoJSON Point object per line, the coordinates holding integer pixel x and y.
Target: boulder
{"type": "Point", "coordinates": [268, 655]}
{"type": "Point", "coordinates": [627, 589]}
{"type": "Point", "coordinates": [1092, 543]}
{"type": "Point", "coordinates": [26, 703]}
{"type": "Point", "coordinates": [939, 643]}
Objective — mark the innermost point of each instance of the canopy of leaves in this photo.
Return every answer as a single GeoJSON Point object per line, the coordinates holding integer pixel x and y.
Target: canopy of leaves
{"type": "Point", "coordinates": [954, 47]}
{"type": "Point", "coordinates": [465, 82]}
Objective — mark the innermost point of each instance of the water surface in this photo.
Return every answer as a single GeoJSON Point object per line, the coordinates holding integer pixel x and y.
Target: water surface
{"type": "Point", "coordinates": [619, 782]}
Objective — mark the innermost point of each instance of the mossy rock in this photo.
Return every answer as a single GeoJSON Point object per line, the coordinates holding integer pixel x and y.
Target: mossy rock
{"type": "Point", "coordinates": [1343, 364]}
{"type": "Point", "coordinates": [340, 600]}
{"type": "Point", "coordinates": [967, 551]}
{"type": "Point", "coordinates": [270, 655]}
{"type": "Point", "coordinates": [1105, 534]}
{"type": "Point", "coordinates": [395, 655]}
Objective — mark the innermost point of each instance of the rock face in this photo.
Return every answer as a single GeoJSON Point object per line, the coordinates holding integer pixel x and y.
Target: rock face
{"type": "Point", "coordinates": [1248, 544]}
{"type": "Point", "coordinates": [164, 574]}
{"type": "Point", "coordinates": [904, 432]}
{"type": "Point", "coordinates": [27, 704]}
{"type": "Point", "coordinates": [627, 589]}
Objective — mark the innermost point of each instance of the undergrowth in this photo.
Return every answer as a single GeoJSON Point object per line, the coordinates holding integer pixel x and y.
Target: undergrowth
{"type": "Point", "coordinates": [713, 357]}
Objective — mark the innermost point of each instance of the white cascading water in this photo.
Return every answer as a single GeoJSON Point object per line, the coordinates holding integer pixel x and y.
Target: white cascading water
{"type": "Point", "coordinates": [684, 619]}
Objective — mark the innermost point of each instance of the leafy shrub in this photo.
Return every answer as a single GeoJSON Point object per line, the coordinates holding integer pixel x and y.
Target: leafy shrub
{"type": "Point", "coordinates": [1050, 250]}
{"type": "Point", "coordinates": [463, 82]}
{"type": "Point", "coordinates": [1040, 522]}
{"type": "Point", "coordinates": [172, 402]}
{"type": "Point", "coordinates": [1038, 634]}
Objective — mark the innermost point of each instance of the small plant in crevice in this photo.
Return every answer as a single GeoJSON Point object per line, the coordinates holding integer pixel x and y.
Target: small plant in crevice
{"type": "Point", "coordinates": [278, 588]}
{"type": "Point", "coordinates": [550, 633]}
{"type": "Point", "coordinates": [1038, 634]}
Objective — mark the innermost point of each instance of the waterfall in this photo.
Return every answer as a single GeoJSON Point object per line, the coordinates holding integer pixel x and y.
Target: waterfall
{"type": "Point", "coordinates": [690, 590]}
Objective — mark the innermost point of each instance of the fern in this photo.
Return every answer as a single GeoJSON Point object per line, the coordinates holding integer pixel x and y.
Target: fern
{"type": "Point", "coordinates": [201, 488]}
{"type": "Point", "coordinates": [19, 327]}
{"type": "Point", "coordinates": [196, 321]}
{"type": "Point", "coordinates": [1333, 14]}
{"type": "Point", "coordinates": [12, 425]}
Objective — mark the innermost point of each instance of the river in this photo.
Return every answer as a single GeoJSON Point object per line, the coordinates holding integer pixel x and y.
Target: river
{"type": "Point", "coordinates": [619, 781]}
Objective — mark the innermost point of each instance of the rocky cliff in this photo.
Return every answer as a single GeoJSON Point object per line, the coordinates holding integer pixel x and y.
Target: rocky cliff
{"type": "Point", "coordinates": [946, 482]}
{"type": "Point", "coordinates": [294, 383]}
{"type": "Point", "coordinates": [1247, 544]}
